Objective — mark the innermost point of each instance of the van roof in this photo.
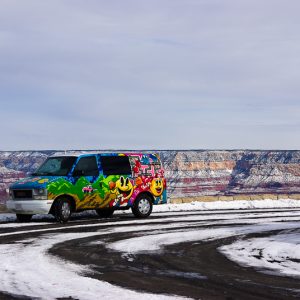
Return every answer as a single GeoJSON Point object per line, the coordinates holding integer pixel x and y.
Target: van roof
{"type": "Point", "coordinates": [81, 153]}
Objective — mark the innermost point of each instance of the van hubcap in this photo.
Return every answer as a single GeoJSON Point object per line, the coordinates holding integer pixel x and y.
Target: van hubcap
{"type": "Point", "coordinates": [65, 210]}
{"type": "Point", "coordinates": [144, 206]}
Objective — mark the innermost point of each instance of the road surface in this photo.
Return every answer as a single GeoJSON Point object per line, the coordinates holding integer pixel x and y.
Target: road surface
{"type": "Point", "coordinates": [227, 254]}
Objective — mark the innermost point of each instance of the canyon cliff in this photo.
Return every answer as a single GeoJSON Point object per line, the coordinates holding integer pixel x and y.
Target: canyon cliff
{"type": "Point", "coordinates": [194, 173]}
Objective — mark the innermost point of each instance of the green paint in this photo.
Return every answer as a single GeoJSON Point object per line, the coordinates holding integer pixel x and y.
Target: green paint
{"type": "Point", "coordinates": [101, 190]}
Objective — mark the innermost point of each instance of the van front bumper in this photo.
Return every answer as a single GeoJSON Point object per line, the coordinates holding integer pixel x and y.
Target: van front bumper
{"type": "Point", "coordinates": [29, 206]}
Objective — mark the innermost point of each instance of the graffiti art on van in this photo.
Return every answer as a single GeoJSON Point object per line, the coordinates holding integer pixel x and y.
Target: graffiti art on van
{"type": "Point", "coordinates": [97, 181]}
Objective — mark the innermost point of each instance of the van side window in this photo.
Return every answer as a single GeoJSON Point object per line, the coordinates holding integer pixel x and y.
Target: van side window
{"type": "Point", "coordinates": [87, 166]}
{"type": "Point", "coordinates": [115, 165]}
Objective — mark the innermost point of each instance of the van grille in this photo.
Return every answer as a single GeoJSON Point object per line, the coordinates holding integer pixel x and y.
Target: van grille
{"type": "Point", "coordinates": [22, 194]}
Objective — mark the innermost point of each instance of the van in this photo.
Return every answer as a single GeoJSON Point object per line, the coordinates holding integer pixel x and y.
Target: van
{"type": "Point", "coordinates": [104, 182]}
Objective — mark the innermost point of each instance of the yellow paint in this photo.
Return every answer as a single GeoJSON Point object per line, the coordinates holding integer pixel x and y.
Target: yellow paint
{"type": "Point", "coordinates": [157, 187]}
{"type": "Point", "coordinates": [124, 187]}
{"type": "Point", "coordinates": [43, 180]}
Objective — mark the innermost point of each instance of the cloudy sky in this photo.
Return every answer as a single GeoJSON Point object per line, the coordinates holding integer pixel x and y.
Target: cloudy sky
{"type": "Point", "coordinates": [155, 74]}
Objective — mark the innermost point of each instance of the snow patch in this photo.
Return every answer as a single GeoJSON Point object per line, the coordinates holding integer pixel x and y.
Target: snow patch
{"type": "Point", "coordinates": [279, 254]}
{"type": "Point", "coordinates": [27, 269]}
{"type": "Point", "coordinates": [154, 242]}
{"type": "Point", "coordinates": [236, 204]}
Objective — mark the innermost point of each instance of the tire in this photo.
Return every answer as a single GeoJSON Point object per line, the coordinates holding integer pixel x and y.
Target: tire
{"type": "Point", "coordinates": [23, 218]}
{"type": "Point", "coordinates": [142, 206]}
{"type": "Point", "coordinates": [105, 212]}
{"type": "Point", "coordinates": [63, 210]}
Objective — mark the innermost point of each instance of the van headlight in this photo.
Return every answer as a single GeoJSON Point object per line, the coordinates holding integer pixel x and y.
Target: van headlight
{"type": "Point", "coordinates": [39, 194]}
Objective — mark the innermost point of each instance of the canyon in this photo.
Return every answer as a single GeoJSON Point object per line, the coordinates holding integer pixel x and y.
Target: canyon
{"type": "Point", "coordinates": [193, 173]}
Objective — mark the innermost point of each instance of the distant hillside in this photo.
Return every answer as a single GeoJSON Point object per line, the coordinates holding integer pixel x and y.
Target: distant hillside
{"type": "Point", "coordinates": [194, 173]}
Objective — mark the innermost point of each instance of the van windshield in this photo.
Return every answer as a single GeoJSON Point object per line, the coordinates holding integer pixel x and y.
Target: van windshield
{"type": "Point", "coordinates": [56, 166]}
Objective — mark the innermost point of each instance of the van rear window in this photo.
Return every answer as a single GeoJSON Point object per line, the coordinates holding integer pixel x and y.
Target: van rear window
{"type": "Point", "coordinates": [115, 165]}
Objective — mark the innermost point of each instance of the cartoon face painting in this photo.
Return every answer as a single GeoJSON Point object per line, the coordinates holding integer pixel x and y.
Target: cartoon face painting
{"type": "Point", "coordinates": [124, 187]}
{"type": "Point", "coordinates": [157, 187]}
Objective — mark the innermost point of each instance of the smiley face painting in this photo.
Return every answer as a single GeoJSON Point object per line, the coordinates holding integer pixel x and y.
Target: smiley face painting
{"type": "Point", "coordinates": [157, 187]}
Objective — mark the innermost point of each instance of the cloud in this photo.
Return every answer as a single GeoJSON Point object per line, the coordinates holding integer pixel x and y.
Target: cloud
{"type": "Point", "coordinates": [149, 74]}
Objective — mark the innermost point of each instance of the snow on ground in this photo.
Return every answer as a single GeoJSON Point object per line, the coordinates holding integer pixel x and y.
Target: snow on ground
{"type": "Point", "coordinates": [7, 217]}
{"type": "Point", "coordinates": [276, 254]}
{"type": "Point", "coordinates": [203, 219]}
{"type": "Point", "coordinates": [236, 204]}
{"type": "Point", "coordinates": [154, 242]}
{"type": "Point", "coordinates": [21, 225]}
{"type": "Point", "coordinates": [56, 278]}
{"type": "Point", "coordinates": [215, 205]}
{"type": "Point", "coordinates": [28, 269]}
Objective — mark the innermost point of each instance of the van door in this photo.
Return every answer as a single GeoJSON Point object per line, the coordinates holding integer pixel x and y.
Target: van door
{"type": "Point", "coordinates": [85, 173]}
{"type": "Point", "coordinates": [117, 176]}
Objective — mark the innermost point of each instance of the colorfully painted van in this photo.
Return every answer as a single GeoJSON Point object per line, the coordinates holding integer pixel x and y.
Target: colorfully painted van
{"type": "Point", "coordinates": [103, 181]}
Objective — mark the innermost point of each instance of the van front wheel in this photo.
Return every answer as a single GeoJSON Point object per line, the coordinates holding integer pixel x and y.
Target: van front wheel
{"type": "Point", "coordinates": [63, 210]}
{"type": "Point", "coordinates": [142, 206]}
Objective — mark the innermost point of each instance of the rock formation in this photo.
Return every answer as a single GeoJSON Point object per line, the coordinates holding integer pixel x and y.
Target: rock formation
{"type": "Point", "coordinates": [194, 173]}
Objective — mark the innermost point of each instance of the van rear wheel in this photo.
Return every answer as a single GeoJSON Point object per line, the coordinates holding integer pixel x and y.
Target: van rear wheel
{"type": "Point", "coordinates": [63, 210]}
{"type": "Point", "coordinates": [105, 212]}
{"type": "Point", "coordinates": [23, 218]}
{"type": "Point", "coordinates": [142, 206]}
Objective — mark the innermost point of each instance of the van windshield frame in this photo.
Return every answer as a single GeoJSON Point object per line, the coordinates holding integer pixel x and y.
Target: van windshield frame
{"type": "Point", "coordinates": [56, 166]}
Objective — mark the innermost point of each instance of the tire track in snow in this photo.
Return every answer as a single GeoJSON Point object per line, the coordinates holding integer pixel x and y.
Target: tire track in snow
{"type": "Point", "coordinates": [128, 239]}
{"type": "Point", "coordinates": [165, 219]}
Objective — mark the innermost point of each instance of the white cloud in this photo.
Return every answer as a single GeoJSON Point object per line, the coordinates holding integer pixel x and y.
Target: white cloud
{"type": "Point", "coordinates": [149, 74]}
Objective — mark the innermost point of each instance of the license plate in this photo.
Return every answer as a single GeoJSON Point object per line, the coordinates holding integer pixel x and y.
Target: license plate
{"type": "Point", "coordinates": [18, 206]}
